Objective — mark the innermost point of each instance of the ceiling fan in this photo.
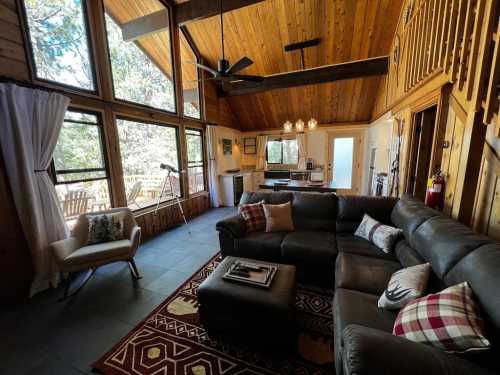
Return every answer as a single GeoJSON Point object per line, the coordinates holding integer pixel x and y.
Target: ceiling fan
{"type": "Point", "coordinates": [226, 72]}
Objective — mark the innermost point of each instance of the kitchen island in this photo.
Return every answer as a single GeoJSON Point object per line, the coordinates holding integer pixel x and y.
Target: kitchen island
{"type": "Point", "coordinates": [295, 185]}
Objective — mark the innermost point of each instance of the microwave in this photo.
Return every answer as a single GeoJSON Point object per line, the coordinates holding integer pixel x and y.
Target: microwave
{"type": "Point", "coordinates": [317, 176]}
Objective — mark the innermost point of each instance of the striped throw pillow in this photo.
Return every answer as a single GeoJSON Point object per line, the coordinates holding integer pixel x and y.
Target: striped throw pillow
{"type": "Point", "coordinates": [253, 214]}
{"type": "Point", "coordinates": [382, 236]}
{"type": "Point", "coordinates": [448, 320]}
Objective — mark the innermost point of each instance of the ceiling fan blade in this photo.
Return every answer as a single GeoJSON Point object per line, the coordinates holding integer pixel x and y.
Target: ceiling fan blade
{"type": "Point", "coordinates": [243, 77]}
{"type": "Point", "coordinates": [206, 68]}
{"type": "Point", "coordinates": [239, 65]}
{"type": "Point", "coordinates": [202, 80]}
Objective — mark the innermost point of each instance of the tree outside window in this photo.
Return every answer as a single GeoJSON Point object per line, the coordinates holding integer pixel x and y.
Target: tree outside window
{"type": "Point", "coordinates": [282, 151]}
{"type": "Point", "coordinates": [58, 35]}
{"type": "Point", "coordinates": [194, 144]}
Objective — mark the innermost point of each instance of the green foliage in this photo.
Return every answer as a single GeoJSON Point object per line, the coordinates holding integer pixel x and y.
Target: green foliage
{"type": "Point", "coordinates": [59, 40]}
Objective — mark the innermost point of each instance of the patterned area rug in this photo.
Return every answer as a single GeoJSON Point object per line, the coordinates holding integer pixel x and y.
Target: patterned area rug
{"type": "Point", "coordinates": [171, 340]}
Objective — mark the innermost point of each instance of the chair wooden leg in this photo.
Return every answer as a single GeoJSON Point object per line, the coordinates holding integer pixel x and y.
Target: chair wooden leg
{"type": "Point", "coordinates": [133, 269]}
{"type": "Point", "coordinates": [69, 281]}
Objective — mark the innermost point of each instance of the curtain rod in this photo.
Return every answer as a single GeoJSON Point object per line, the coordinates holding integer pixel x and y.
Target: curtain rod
{"type": "Point", "coordinates": [5, 79]}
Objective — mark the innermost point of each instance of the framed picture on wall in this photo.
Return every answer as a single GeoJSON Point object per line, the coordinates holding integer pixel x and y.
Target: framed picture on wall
{"type": "Point", "coordinates": [250, 146]}
{"type": "Point", "coordinates": [227, 146]}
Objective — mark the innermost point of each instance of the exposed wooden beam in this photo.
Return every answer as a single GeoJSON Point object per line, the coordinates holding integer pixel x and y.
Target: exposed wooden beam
{"type": "Point", "coordinates": [328, 73]}
{"type": "Point", "coordinates": [194, 10]}
{"type": "Point", "coordinates": [150, 24]}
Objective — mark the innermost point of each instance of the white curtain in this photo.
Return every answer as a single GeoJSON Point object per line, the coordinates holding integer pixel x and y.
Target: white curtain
{"type": "Point", "coordinates": [302, 148]}
{"type": "Point", "coordinates": [260, 163]}
{"type": "Point", "coordinates": [213, 179]}
{"type": "Point", "coordinates": [30, 122]}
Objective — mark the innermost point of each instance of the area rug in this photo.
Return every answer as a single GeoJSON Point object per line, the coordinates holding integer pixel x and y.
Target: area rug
{"type": "Point", "coordinates": [171, 340]}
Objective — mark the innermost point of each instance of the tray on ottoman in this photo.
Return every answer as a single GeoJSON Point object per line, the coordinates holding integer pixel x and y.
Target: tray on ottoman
{"type": "Point", "coordinates": [248, 313]}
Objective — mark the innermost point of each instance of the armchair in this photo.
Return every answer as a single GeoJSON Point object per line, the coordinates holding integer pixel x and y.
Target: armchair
{"type": "Point", "coordinates": [73, 255]}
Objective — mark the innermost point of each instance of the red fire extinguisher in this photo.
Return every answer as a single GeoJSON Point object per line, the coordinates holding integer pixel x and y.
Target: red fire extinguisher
{"type": "Point", "coordinates": [434, 196]}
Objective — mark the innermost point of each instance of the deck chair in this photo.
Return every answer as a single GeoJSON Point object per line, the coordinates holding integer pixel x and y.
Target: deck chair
{"type": "Point", "coordinates": [75, 203]}
{"type": "Point", "coordinates": [134, 193]}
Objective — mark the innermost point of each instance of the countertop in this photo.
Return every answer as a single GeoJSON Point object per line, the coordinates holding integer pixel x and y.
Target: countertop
{"type": "Point", "coordinates": [271, 183]}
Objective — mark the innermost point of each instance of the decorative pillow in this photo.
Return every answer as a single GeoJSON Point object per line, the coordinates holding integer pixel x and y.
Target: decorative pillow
{"type": "Point", "coordinates": [105, 227]}
{"type": "Point", "coordinates": [253, 214]}
{"type": "Point", "coordinates": [381, 235]}
{"type": "Point", "coordinates": [405, 286]}
{"type": "Point", "coordinates": [278, 217]}
{"type": "Point", "coordinates": [448, 320]}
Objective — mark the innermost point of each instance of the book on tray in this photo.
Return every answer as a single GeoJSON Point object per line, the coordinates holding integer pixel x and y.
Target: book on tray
{"type": "Point", "coordinates": [252, 273]}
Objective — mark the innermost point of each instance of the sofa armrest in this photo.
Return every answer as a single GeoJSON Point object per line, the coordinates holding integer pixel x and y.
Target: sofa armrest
{"type": "Point", "coordinates": [371, 351]}
{"type": "Point", "coordinates": [235, 226]}
{"type": "Point", "coordinates": [135, 237]}
{"type": "Point", "coordinates": [63, 248]}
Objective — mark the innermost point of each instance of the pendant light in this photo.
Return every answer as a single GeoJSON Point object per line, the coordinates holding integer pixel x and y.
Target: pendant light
{"type": "Point", "coordinates": [312, 124]}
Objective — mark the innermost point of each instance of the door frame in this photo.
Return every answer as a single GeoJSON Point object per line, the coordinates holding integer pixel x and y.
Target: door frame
{"type": "Point", "coordinates": [358, 156]}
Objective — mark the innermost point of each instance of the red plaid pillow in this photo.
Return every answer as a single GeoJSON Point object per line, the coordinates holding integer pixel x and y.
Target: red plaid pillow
{"type": "Point", "coordinates": [448, 320]}
{"type": "Point", "coordinates": [253, 213]}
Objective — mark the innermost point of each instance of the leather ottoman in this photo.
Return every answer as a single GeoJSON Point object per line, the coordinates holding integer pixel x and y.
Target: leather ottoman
{"type": "Point", "coordinates": [247, 314]}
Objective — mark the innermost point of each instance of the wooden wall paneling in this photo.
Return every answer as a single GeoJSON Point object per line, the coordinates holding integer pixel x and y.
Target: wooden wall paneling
{"type": "Point", "coordinates": [13, 61]}
{"type": "Point", "coordinates": [486, 218]}
{"type": "Point", "coordinates": [491, 101]}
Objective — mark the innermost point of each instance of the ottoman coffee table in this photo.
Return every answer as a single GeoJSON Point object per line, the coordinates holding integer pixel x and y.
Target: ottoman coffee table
{"type": "Point", "coordinates": [250, 314]}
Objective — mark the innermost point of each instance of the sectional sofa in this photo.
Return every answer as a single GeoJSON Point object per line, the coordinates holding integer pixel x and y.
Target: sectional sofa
{"type": "Point", "coordinates": [326, 252]}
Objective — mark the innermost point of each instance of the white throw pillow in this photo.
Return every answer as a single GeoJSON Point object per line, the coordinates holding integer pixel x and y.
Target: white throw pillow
{"type": "Point", "coordinates": [383, 236]}
{"type": "Point", "coordinates": [405, 286]}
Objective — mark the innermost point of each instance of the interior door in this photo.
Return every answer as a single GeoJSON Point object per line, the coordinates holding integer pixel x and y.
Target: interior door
{"type": "Point", "coordinates": [345, 161]}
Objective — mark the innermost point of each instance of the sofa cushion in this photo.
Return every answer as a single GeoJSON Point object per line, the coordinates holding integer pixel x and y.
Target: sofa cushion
{"type": "Point", "coordinates": [407, 255]}
{"type": "Point", "coordinates": [309, 246]}
{"type": "Point", "coordinates": [442, 242]}
{"type": "Point", "coordinates": [353, 307]}
{"type": "Point", "coordinates": [260, 245]}
{"type": "Point", "coordinates": [364, 274]}
{"type": "Point", "coordinates": [481, 269]}
{"type": "Point", "coordinates": [278, 197]}
{"type": "Point", "coordinates": [349, 243]}
{"type": "Point", "coordinates": [317, 211]}
{"type": "Point", "coordinates": [101, 252]}
{"type": "Point", "coordinates": [351, 209]}
{"type": "Point", "coordinates": [409, 214]}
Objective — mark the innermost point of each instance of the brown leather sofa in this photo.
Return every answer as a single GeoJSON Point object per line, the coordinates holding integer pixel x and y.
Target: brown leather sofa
{"type": "Point", "coordinates": [363, 342]}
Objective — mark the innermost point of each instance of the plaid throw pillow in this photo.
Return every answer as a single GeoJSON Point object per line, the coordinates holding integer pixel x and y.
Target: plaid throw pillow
{"type": "Point", "coordinates": [448, 320]}
{"type": "Point", "coordinates": [253, 214]}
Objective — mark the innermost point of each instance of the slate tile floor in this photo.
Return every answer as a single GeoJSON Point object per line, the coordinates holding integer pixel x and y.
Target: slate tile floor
{"type": "Point", "coordinates": [42, 336]}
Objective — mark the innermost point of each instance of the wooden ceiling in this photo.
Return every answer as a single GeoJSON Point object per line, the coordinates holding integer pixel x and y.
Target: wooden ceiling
{"type": "Point", "coordinates": [349, 29]}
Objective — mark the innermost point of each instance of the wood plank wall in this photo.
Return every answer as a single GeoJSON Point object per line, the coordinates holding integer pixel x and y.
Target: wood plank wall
{"type": "Point", "coordinates": [12, 56]}
{"type": "Point", "coordinates": [455, 44]}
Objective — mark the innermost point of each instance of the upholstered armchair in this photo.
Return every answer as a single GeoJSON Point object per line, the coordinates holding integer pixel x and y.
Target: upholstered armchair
{"type": "Point", "coordinates": [73, 254]}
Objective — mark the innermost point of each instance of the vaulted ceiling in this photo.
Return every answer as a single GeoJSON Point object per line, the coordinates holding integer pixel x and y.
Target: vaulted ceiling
{"type": "Point", "coordinates": [349, 30]}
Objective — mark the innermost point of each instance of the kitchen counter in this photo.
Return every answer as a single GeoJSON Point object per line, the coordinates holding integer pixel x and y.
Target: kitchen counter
{"type": "Point", "coordinates": [271, 183]}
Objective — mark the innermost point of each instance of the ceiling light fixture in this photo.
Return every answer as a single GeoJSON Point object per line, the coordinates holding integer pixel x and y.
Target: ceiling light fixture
{"type": "Point", "coordinates": [299, 126]}
{"type": "Point", "coordinates": [287, 126]}
{"type": "Point", "coordinates": [312, 124]}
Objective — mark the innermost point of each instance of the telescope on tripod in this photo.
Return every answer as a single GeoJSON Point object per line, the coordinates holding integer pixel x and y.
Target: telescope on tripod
{"type": "Point", "coordinates": [164, 193]}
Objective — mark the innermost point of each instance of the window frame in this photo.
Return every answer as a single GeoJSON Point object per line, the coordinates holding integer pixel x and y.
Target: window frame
{"type": "Point", "coordinates": [179, 158]}
{"type": "Point", "coordinates": [281, 144]}
{"type": "Point", "coordinates": [185, 32]}
{"type": "Point", "coordinates": [31, 54]}
{"type": "Point", "coordinates": [102, 139]}
{"type": "Point", "coordinates": [172, 57]}
{"type": "Point", "coordinates": [203, 156]}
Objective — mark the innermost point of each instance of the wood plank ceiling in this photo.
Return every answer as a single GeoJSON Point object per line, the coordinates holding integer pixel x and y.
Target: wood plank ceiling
{"type": "Point", "coordinates": [349, 29]}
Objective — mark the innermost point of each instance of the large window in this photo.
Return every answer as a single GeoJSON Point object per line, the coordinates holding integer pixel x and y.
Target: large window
{"type": "Point", "coordinates": [143, 148]}
{"type": "Point", "coordinates": [141, 60]}
{"type": "Point", "coordinates": [282, 151]}
{"type": "Point", "coordinates": [58, 34]}
{"type": "Point", "coordinates": [194, 144]}
{"type": "Point", "coordinates": [190, 87]}
{"type": "Point", "coordinates": [80, 165]}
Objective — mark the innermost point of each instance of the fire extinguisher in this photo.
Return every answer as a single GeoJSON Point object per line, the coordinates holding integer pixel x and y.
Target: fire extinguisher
{"type": "Point", "coordinates": [434, 196]}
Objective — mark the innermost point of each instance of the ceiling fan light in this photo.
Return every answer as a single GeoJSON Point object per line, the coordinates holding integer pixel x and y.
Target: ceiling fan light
{"type": "Point", "coordinates": [287, 126]}
{"type": "Point", "coordinates": [299, 125]}
{"type": "Point", "coordinates": [312, 124]}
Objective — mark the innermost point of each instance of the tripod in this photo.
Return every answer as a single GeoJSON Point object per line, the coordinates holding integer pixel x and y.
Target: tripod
{"type": "Point", "coordinates": [168, 179]}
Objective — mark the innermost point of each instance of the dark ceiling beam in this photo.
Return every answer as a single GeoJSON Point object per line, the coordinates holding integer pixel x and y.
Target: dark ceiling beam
{"type": "Point", "coordinates": [150, 24]}
{"type": "Point", "coordinates": [194, 10]}
{"type": "Point", "coordinates": [328, 73]}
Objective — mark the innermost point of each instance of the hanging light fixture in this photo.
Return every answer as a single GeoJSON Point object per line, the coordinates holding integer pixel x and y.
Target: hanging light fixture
{"type": "Point", "coordinates": [287, 126]}
{"type": "Point", "coordinates": [312, 124]}
{"type": "Point", "coordinates": [299, 126]}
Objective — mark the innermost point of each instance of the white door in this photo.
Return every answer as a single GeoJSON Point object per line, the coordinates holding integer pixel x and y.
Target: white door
{"type": "Point", "coordinates": [345, 159]}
